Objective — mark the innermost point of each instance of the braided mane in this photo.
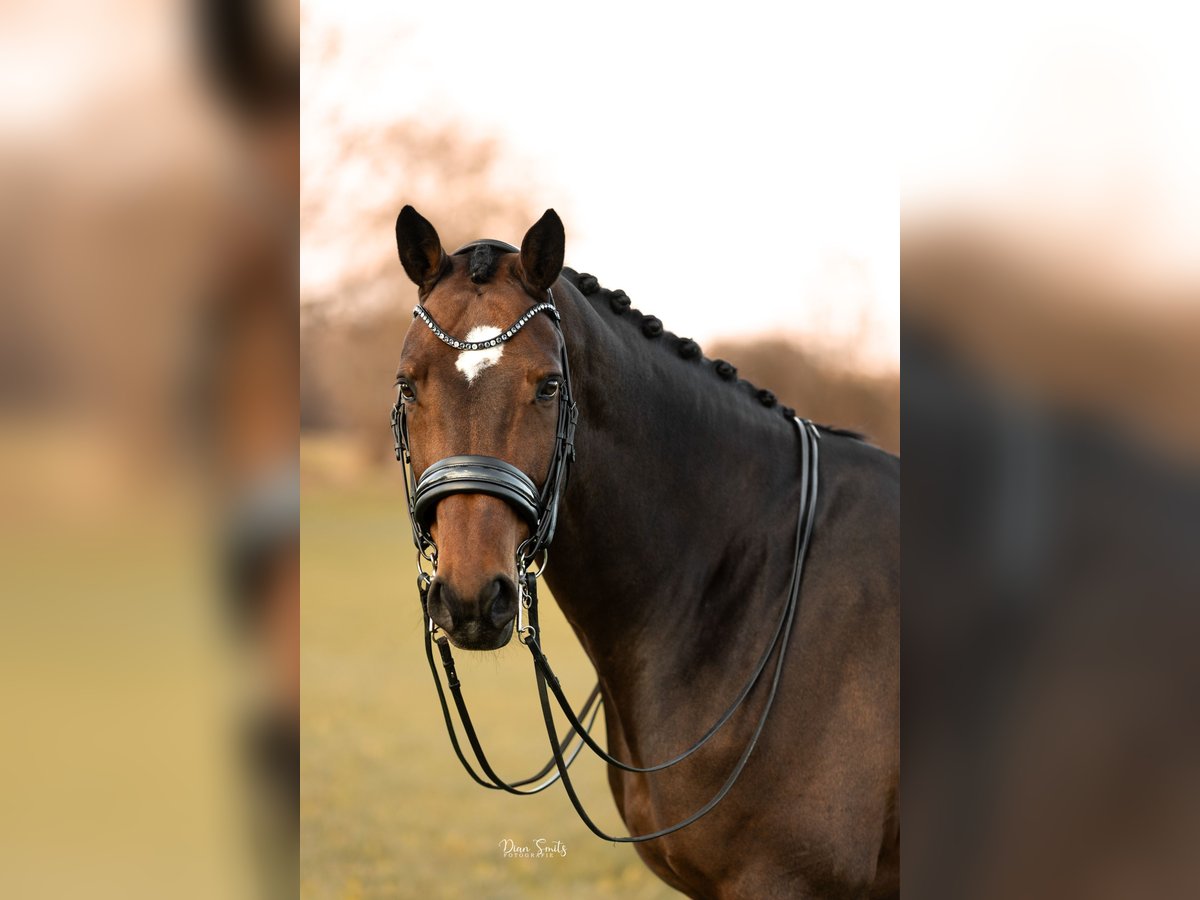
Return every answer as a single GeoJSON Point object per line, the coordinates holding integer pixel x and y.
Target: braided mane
{"type": "Point", "coordinates": [617, 302]}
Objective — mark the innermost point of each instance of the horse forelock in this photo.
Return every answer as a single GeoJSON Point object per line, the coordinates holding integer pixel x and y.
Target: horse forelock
{"type": "Point", "coordinates": [482, 264]}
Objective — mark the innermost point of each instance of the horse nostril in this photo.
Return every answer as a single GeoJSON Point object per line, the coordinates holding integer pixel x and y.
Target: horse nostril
{"type": "Point", "coordinates": [499, 601]}
{"type": "Point", "coordinates": [437, 606]}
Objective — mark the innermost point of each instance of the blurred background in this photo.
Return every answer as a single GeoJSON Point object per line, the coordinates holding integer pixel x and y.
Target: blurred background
{"type": "Point", "coordinates": [736, 181]}
{"type": "Point", "coordinates": [1051, 342]}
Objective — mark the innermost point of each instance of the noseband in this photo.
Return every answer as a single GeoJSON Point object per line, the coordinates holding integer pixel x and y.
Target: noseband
{"type": "Point", "coordinates": [539, 510]}
{"type": "Point", "coordinates": [470, 474]}
{"type": "Point", "coordinates": [475, 475]}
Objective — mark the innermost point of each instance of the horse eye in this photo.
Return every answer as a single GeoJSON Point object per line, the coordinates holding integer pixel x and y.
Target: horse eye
{"type": "Point", "coordinates": [407, 394]}
{"type": "Point", "coordinates": [549, 389]}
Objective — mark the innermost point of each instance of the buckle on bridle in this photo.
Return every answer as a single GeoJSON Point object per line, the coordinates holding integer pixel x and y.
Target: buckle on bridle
{"type": "Point", "coordinates": [569, 438]}
{"type": "Point", "coordinates": [397, 412]}
{"type": "Point", "coordinates": [525, 631]}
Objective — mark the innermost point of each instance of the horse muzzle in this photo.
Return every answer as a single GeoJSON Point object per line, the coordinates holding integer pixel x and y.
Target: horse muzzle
{"type": "Point", "coordinates": [480, 622]}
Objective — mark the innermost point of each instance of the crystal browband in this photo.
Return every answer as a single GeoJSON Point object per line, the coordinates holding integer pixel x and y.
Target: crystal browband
{"type": "Point", "coordinates": [423, 314]}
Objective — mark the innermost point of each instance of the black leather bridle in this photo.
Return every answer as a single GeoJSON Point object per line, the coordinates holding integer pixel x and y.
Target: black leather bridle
{"type": "Point", "coordinates": [539, 509]}
{"type": "Point", "coordinates": [466, 474]}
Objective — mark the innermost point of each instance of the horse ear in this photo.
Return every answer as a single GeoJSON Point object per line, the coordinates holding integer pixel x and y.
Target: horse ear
{"type": "Point", "coordinates": [420, 248]}
{"type": "Point", "coordinates": [542, 252]}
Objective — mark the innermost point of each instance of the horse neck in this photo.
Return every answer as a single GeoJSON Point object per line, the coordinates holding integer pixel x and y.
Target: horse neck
{"type": "Point", "coordinates": [681, 478]}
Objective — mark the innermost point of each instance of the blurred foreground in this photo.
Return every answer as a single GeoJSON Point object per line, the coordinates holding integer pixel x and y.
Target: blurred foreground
{"type": "Point", "coordinates": [1051, 352]}
{"type": "Point", "coordinates": [1052, 587]}
{"type": "Point", "coordinates": [148, 475]}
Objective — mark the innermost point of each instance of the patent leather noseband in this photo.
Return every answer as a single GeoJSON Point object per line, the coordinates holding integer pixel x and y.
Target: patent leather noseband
{"type": "Point", "coordinates": [475, 475]}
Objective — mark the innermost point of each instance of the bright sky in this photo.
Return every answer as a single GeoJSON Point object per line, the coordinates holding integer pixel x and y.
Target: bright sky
{"type": "Point", "coordinates": [750, 145]}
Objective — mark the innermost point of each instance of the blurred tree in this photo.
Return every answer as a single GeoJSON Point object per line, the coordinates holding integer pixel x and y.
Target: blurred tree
{"type": "Point", "coordinates": [357, 170]}
{"type": "Point", "coordinates": [819, 388]}
{"type": "Point", "coordinates": [350, 343]}
{"type": "Point", "coordinates": [352, 329]}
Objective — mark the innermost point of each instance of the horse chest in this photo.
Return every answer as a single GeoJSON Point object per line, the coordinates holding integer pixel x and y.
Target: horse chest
{"type": "Point", "coordinates": [629, 790]}
{"type": "Point", "coordinates": [635, 803]}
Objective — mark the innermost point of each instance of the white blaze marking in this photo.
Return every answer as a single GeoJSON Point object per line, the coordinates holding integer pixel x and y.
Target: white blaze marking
{"type": "Point", "coordinates": [472, 362]}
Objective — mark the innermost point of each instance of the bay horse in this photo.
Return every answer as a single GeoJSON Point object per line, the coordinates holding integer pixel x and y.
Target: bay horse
{"type": "Point", "coordinates": [676, 546]}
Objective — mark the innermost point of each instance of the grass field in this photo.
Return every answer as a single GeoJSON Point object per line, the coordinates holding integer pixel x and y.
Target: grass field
{"type": "Point", "coordinates": [386, 810]}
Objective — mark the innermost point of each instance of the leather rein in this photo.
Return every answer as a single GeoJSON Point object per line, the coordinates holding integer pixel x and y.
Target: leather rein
{"type": "Point", "coordinates": [539, 509]}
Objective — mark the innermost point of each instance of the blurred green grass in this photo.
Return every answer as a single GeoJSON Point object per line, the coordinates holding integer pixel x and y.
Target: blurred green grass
{"type": "Point", "coordinates": [386, 810]}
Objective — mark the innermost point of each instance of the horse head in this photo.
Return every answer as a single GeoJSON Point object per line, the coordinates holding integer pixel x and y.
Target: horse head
{"type": "Point", "coordinates": [482, 389]}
